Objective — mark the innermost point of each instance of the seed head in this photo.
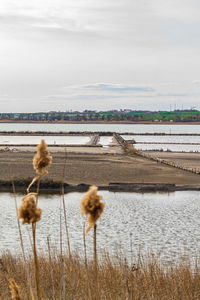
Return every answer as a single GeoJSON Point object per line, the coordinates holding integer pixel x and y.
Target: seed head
{"type": "Point", "coordinates": [42, 159]}
{"type": "Point", "coordinates": [28, 211]}
{"type": "Point", "coordinates": [92, 206]}
{"type": "Point", "coordinates": [14, 289]}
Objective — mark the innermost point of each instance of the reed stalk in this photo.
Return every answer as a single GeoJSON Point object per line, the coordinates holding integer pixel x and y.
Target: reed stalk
{"type": "Point", "coordinates": [36, 269]}
{"type": "Point", "coordinates": [51, 269]}
{"type": "Point", "coordinates": [62, 269]}
{"type": "Point", "coordinates": [95, 260]}
{"type": "Point", "coordinates": [66, 225]}
{"type": "Point", "coordinates": [21, 243]}
{"type": "Point", "coordinates": [64, 207]}
{"type": "Point", "coordinates": [95, 247]}
{"type": "Point", "coordinates": [131, 247]}
{"type": "Point", "coordinates": [86, 263]}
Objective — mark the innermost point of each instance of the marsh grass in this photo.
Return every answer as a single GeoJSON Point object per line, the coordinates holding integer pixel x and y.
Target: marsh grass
{"type": "Point", "coordinates": [116, 278]}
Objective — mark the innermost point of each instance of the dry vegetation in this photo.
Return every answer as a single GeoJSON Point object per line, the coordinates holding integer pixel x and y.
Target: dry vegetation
{"type": "Point", "coordinates": [116, 279]}
{"type": "Point", "coordinates": [56, 275]}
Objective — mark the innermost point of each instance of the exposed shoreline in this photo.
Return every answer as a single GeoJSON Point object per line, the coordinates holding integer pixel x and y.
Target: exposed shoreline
{"type": "Point", "coordinates": [55, 187]}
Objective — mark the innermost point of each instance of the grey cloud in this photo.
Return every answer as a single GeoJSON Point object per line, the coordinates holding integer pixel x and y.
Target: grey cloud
{"type": "Point", "coordinates": [118, 88]}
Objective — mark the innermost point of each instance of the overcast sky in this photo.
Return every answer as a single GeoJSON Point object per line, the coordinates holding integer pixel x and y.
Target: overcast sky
{"type": "Point", "coordinates": [99, 54]}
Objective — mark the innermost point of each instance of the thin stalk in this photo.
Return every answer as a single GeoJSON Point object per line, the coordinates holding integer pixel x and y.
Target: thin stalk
{"type": "Point", "coordinates": [86, 263]}
{"type": "Point", "coordinates": [66, 225]}
{"type": "Point", "coordinates": [64, 208]}
{"type": "Point", "coordinates": [96, 261]}
{"type": "Point", "coordinates": [95, 247]}
{"type": "Point", "coordinates": [36, 269]}
{"type": "Point", "coordinates": [131, 247]}
{"type": "Point", "coordinates": [126, 279]}
{"type": "Point", "coordinates": [38, 189]}
{"type": "Point", "coordinates": [51, 269]}
{"type": "Point", "coordinates": [62, 276]}
{"type": "Point", "coordinates": [21, 242]}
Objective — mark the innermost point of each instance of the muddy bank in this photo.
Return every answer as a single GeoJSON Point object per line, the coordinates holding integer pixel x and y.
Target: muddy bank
{"type": "Point", "coordinates": [56, 187]}
{"type": "Point", "coordinates": [53, 145]}
{"type": "Point", "coordinates": [58, 133]}
{"type": "Point", "coordinates": [86, 133]}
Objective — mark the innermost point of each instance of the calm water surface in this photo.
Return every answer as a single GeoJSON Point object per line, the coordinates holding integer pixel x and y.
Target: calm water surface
{"type": "Point", "coordinates": [162, 140]}
{"type": "Point", "coordinates": [140, 128]}
{"type": "Point", "coordinates": [168, 147]}
{"type": "Point", "coordinates": [50, 140]}
{"type": "Point", "coordinates": [165, 223]}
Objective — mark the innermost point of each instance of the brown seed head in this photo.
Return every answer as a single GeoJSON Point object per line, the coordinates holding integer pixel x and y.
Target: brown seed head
{"type": "Point", "coordinates": [28, 211]}
{"type": "Point", "coordinates": [42, 159]}
{"type": "Point", "coordinates": [92, 206]}
{"type": "Point", "coordinates": [14, 289]}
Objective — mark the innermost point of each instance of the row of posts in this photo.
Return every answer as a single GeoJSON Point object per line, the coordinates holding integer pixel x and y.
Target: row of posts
{"type": "Point", "coordinates": [130, 149]}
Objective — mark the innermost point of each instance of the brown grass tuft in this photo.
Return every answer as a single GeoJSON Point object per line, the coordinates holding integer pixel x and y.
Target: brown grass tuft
{"type": "Point", "coordinates": [14, 289]}
{"type": "Point", "coordinates": [28, 211]}
{"type": "Point", "coordinates": [92, 206]}
{"type": "Point", "coordinates": [42, 159]}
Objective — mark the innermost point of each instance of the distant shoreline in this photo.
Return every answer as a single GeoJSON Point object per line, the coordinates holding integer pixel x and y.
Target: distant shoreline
{"type": "Point", "coordinates": [102, 122]}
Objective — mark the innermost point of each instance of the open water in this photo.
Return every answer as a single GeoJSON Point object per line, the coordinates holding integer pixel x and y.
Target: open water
{"type": "Point", "coordinates": [165, 223]}
{"type": "Point", "coordinates": [134, 128]}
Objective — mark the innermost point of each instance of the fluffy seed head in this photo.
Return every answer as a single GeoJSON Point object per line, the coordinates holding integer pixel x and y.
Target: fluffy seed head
{"type": "Point", "coordinates": [42, 159]}
{"type": "Point", "coordinates": [28, 211]}
{"type": "Point", "coordinates": [14, 289]}
{"type": "Point", "coordinates": [92, 206]}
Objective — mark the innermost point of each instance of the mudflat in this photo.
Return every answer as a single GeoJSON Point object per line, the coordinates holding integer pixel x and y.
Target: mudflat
{"type": "Point", "coordinates": [97, 168]}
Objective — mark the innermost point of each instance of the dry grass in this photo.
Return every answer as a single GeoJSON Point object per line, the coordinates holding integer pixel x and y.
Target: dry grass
{"type": "Point", "coordinates": [116, 279]}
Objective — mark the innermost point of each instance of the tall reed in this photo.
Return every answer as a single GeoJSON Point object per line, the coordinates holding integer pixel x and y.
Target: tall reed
{"type": "Point", "coordinates": [92, 206]}
{"type": "Point", "coordinates": [28, 211]}
{"type": "Point", "coordinates": [116, 277]}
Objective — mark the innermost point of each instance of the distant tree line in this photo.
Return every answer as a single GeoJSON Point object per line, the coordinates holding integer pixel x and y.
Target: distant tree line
{"type": "Point", "coordinates": [115, 115]}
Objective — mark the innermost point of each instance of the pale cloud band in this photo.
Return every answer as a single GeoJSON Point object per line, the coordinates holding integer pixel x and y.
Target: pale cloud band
{"type": "Point", "coordinates": [58, 55]}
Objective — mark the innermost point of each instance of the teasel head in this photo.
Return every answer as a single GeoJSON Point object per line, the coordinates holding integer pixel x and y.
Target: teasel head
{"type": "Point", "coordinates": [92, 206]}
{"type": "Point", "coordinates": [14, 289]}
{"type": "Point", "coordinates": [28, 211]}
{"type": "Point", "coordinates": [42, 159]}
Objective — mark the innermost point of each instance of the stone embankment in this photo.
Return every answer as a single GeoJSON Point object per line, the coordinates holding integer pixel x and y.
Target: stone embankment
{"type": "Point", "coordinates": [94, 140]}
{"type": "Point", "coordinates": [130, 149]}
